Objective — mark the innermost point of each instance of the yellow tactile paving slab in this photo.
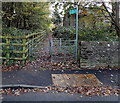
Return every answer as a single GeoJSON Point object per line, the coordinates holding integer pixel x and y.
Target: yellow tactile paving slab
{"type": "Point", "coordinates": [75, 80]}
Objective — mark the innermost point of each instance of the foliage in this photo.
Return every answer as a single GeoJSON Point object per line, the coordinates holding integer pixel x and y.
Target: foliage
{"type": "Point", "coordinates": [26, 15]}
{"type": "Point", "coordinates": [96, 12]}
{"type": "Point", "coordinates": [15, 32]}
{"type": "Point", "coordinates": [65, 32]}
{"type": "Point", "coordinates": [94, 21]}
{"type": "Point", "coordinates": [10, 50]}
{"type": "Point", "coordinates": [104, 34]}
{"type": "Point", "coordinates": [86, 34]}
{"type": "Point", "coordinates": [114, 16]}
{"type": "Point", "coordinates": [56, 15]}
{"type": "Point", "coordinates": [20, 19]}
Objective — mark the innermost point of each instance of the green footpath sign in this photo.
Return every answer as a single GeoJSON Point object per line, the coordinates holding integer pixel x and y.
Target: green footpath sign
{"type": "Point", "coordinates": [73, 11]}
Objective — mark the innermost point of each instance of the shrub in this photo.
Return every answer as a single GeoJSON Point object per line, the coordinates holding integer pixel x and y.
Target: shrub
{"type": "Point", "coordinates": [64, 32]}
{"type": "Point", "coordinates": [15, 32]}
{"type": "Point", "coordinates": [87, 34]}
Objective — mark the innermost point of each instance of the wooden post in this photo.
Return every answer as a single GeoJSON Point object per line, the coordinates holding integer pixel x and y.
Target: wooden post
{"type": "Point", "coordinates": [28, 52]}
{"type": "Point", "coordinates": [24, 48]}
{"type": "Point", "coordinates": [8, 49]}
{"type": "Point", "coordinates": [28, 47]}
{"type": "Point", "coordinates": [50, 50]}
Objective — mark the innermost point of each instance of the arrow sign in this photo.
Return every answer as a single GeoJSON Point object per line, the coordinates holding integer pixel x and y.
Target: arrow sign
{"type": "Point", "coordinates": [73, 11]}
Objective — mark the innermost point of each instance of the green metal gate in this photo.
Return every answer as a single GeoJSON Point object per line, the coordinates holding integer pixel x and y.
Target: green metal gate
{"type": "Point", "coordinates": [62, 50]}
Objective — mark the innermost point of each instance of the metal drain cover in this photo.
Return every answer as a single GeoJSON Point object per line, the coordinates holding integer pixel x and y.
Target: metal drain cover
{"type": "Point", "coordinates": [75, 80]}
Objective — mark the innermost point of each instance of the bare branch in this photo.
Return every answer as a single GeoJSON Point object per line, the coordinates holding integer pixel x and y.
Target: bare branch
{"type": "Point", "coordinates": [112, 18]}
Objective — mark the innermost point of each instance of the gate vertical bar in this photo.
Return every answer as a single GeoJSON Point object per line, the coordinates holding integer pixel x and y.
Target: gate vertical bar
{"type": "Point", "coordinates": [60, 45]}
{"type": "Point", "coordinates": [60, 42]}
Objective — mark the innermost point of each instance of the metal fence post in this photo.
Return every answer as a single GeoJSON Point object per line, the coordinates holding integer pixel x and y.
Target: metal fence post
{"type": "Point", "coordinates": [60, 42]}
{"type": "Point", "coordinates": [79, 54]}
{"type": "Point", "coordinates": [77, 33]}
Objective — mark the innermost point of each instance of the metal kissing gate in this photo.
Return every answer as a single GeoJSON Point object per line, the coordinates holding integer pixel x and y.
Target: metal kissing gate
{"type": "Point", "coordinates": [62, 50]}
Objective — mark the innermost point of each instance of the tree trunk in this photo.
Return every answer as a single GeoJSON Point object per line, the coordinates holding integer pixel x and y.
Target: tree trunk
{"type": "Point", "coordinates": [24, 22]}
{"type": "Point", "coordinates": [116, 21]}
{"type": "Point", "coordinates": [117, 8]}
{"type": "Point", "coordinates": [9, 23]}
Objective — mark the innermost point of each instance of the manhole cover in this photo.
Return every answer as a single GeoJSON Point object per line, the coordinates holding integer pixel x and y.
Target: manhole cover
{"type": "Point", "coordinates": [75, 80]}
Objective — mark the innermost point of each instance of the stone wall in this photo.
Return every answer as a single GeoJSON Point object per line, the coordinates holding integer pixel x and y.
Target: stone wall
{"type": "Point", "coordinates": [99, 54]}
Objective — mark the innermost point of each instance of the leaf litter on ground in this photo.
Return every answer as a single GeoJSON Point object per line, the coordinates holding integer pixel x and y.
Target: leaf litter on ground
{"type": "Point", "coordinates": [83, 90]}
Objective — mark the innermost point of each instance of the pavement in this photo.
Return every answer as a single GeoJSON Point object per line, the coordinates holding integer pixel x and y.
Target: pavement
{"type": "Point", "coordinates": [43, 78]}
{"type": "Point", "coordinates": [58, 97]}
{"type": "Point", "coordinates": [27, 77]}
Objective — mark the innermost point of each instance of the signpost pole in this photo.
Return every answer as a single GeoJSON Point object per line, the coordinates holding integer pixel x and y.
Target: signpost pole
{"type": "Point", "coordinates": [77, 33]}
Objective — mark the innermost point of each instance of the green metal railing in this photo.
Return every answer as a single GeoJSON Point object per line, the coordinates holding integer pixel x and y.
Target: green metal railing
{"type": "Point", "coordinates": [19, 50]}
